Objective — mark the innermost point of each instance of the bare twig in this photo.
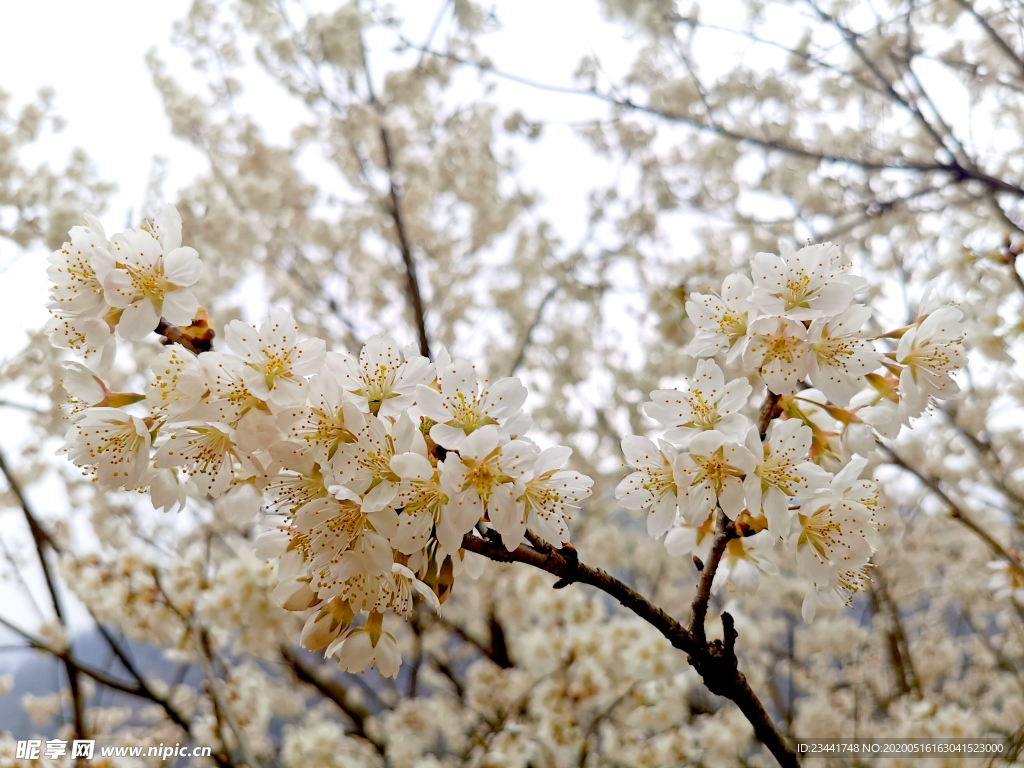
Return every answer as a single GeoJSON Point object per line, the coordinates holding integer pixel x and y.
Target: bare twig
{"type": "Point", "coordinates": [334, 691]}
{"type": "Point", "coordinates": [956, 512]}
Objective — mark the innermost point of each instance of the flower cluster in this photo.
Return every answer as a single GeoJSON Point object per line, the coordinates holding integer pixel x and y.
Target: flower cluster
{"type": "Point", "coordinates": [374, 467]}
{"type": "Point", "coordinates": [127, 282]}
{"type": "Point", "coordinates": [791, 490]}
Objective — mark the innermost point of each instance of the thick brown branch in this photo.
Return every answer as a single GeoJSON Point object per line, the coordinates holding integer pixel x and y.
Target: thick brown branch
{"type": "Point", "coordinates": [715, 662]}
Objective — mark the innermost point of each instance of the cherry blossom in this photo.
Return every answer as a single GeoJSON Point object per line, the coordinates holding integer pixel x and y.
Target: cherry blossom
{"type": "Point", "coordinates": [709, 403]}
{"type": "Point", "coordinates": [461, 406]}
{"type": "Point", "coordinates": [147, 273]}
{"type": "Point", "coordinates": [276, 361]}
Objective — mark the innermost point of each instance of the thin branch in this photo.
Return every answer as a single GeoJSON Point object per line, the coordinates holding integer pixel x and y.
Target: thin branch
{"type": "Point", "coordinates": [334, 691]}
{"type": "Point", "coordinates": [42, 540]}
{"type": "Point", "coordinates": [954, 169]}
{"type": "Point", "coordinates": [993, 35]}
{"type": "Point", "coordinates": [955, 510]}
{"type": "Point", "coordinates": [699, 609]}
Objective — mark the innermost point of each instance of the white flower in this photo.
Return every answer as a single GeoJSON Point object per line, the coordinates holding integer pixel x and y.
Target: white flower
{"type": "Point", "coordinates": [399, 587]}
{"type": "Point", "coordinates": [227, 397]}
{"type": "Point", "coordinates": [929, 353]}
{"type": "Point", "coordinates": [205, 451]}
{"type": "Point", "coordinates": [841, 356]}
{"type": "Point", "coordinates": [364, 466]}
{"type": "Point", "coordinates": [113, 442]}
{"type": "Point", "coordinates": [368, 646]}
{"type": "Point", "coordinates": [482, 480]}
{"type": "Point", "coordinates": [804, 284]}
{"type": "Point", "coordinates": [148, 273]}
{"type": "Point", "coordinates": [553, 493]}
{"type": "Point", "coordinates": [76, 288]}
{"type": "Point", "coordinates": [836, 526]}
{"type": "Point", "coordinates": [744, 561]}
{"type": "Point", "coordinates": [381, 381]}
{"type": "Point", "coordinates": [461, 407]}
{"type": "Point", "coordinates": [721, 320]}
{"type": "Point", "coordinates": [326, 625]}
{"type": "Point", "coordinates": [299, 479]}
{"type": "Point", "coordinates": [91, 336]}
{"type": "Point", "coordinates": [421, 498]}
{"type": "Point", "coordinates": [276, 361]}
{"type": "Point", "coordinates": [84, 387]}
{"type": "Point", "coordinates": [652, 485]}
{"type": "Point", "coordinates": [328, 421]}
{"type": "Point", "coordinates": [178, 382]}
{"type": "Point", "coordinates": [709, 403]}
{"type": "Point", "coordinates": [784, 471]}
{"type": "Point", "coordinates": [684, 538]}
{"type": "Point", "coordinates": [166, 490]}
{"type": "Point", "coordinates": [778, 350]}
{"type": "Point", "coordinates": [711, 473]}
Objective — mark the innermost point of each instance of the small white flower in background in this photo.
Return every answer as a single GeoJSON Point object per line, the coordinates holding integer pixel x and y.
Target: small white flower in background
{"type": "Point", "coordinates": [710, 473]}
{"type": "Point", "coordinates": [383, 381]}
{"type": "Point", "coordinates": [709, 403]}
{"type": "Point", "coordinates": [461, 406]}
{"type": "Point", "coordinates": [54, 636]}
{"type": "Point", "coordinates": [276, 362]}
{"type": "Point", "coordinates": [930, 353]}
{"type": "Point", "coordinates": [652, 485]}
{"type": "Point", "coordinates": [148, 273]}
{"type": "Point", "coordinates": [721, 320]}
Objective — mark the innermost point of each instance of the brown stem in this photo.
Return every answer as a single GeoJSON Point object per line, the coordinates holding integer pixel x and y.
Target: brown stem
{"type": "Point", "coordinates": [715, 662]}
{"type": "Point", "coordinates": [174, 335]}
{"type": "Point", "coordinates": [699, 609]}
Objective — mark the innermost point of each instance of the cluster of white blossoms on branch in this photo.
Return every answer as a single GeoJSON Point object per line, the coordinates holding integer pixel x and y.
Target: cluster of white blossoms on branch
{"type": "Point", "coordinates": [374, 467]}
{"type": "Point", "coordinates": [792, 497]}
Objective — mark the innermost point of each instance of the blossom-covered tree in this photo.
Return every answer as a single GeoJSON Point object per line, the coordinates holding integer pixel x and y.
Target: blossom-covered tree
{"type": "Point", "coordinates": [779, 501]}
